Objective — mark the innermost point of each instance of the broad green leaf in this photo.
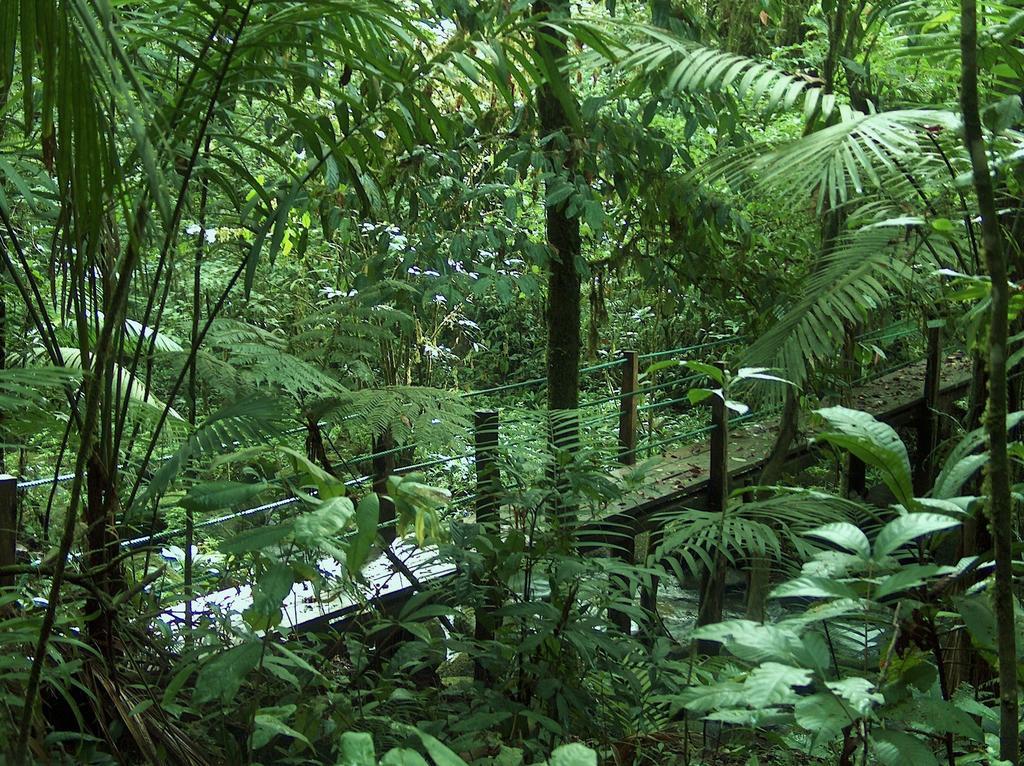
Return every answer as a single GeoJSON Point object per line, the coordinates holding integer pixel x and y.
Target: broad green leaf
{"type": "Point", "coordinates": [937, 715]}
{"type": "Point", "coordinates": [402, 756]}
{"type": "Point", "coordinates": [772, 684]}
{"type": "Point", "coordinates": [858, 692]}
{"type": "Point", "coordinates": [356, 749]}
{"type": "Point", "coordinates": [823, 715]}
{"type": "Point", "coordinates": [442, 754]}
{"type": "Point", "coordinates": [875, 443]}
{"type": "Point", "coordinates": [325, 523]}
{"type": "Point", "coordinates": [256, 539]}
{"type": "Point", "coordinates": [758, 373]}
{"type": "Point", "coordinates": [328, 486]}
{"type": "Point", "coordinates": [738, 407]}
{"type": "Point", "coordinates": [367, 518]}
{"type": "Point", "coordinates": [844, 535]}
{"type": "Point", "coordinates": [700, 698]}
{"type": "Point", "coordinates": [268, 596]}
{"type": "Point", "coordinates": [662, 365]}
{"type": "Point", "coordinates": [910, 576]}
{"type": "Point", "coordinates": [573, 754]}
{"type": "Point", "coordinates": [269, 722]}
{"type": "Point", "coordinates": [976, 611]}
{"type": "Point", "coordinates": [953, 477]}
{"type": "Point", "coordinates": [221, 677]}
{"type": "Point", "coordinates": [752, 641]}
{"type": "Point", "coordinates": [896, 748]}
{"type": "Point", "coordinates": [698, 395]}
{"type": "Point", "coordinates": [904, 529]}
{"type": "Point", "coordinates": [707, 369]}
{"type": "Point", "coordinates": [215, 495]}
{"type": "Point", "coordinates": [962, 463]}
{"type": "Point", "coordinates": [813, 587]}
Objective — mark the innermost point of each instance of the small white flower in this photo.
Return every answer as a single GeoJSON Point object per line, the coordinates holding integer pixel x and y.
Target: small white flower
{"type": "Point", "coordinates": [414, 270]}
{"type": "Point", "coordinates": [440, 299]}
{"type": "Point", "coordinates": [211, 236]}
{"type": "Point", "coordinates": [193, 229]}
{"type": "Point", "coordinates": [431, 273]}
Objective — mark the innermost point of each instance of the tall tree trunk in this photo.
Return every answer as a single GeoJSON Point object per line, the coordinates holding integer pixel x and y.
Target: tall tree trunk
{"type": "Point", "coordinates": [999, 500]}
{"type": "Point", "coordinates": [101, 554]}
{"type": "Point", "coordinates": [738, 25]}
{"type": "Point", "coordinates": [791, 29]}
{"type": "Point", "coordinates": [557, 111]}
{"type": "Point", "coordinates": [554, 98]}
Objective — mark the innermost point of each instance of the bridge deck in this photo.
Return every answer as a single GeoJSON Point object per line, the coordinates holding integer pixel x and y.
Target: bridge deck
{"type": "Point", "coordinates": [680, 477]}
{"type": "Point", "coordinates": [682, 473]}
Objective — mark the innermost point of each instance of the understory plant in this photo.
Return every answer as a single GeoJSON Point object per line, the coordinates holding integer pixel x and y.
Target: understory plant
{"type": "Point", "coordinates": [860, 668]}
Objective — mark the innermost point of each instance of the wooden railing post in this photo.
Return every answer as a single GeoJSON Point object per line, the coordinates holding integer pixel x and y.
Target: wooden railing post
{"type": "Point", "coordinates": [383, 467]}
{"type": "Point", "coordinates": [628, 407]}
{"type": "Point", "coordinates": [488, 515]}
{"type": "Point", "coordinates": [8, 525]}
{"type": "Point", "coordinates": [713, 582]}
{"type": "Point", "coordinates": [928, 425]}
{"type": "Point", "coordinates": [856, 476]}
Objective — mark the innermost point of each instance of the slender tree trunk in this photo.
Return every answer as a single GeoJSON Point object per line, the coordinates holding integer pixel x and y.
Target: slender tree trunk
{"type": "Point", "coordinates": [999, 501]}
{"type": "Point", "coordinates": [760, 571]}
{"type": "Point", "coordinates": [3, 359]}
{"type": "Point", "coordinates": [101, 554]}
{"type": "Point", "coordinates": [193, 387]}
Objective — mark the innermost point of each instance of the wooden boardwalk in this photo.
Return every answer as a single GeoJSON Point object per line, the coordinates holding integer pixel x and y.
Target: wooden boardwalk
{"type": "Point", "coordinates": [680, 477]}
{"type": "Point", "coordinates": [682, 474]}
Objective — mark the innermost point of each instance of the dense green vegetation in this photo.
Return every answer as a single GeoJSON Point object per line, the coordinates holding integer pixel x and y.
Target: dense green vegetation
{"type": "Point", "coordinates": [296, 294]}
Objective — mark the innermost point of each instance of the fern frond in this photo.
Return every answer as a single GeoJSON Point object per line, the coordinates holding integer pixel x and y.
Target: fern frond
{"type": "Point", "coordinates": [430, 417]}
{"type": "Point", "coordinates": [255, 420]}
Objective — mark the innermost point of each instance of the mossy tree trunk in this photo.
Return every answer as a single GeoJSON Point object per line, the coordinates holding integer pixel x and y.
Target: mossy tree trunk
{"type": "Point", "coordinates": [998, 478]}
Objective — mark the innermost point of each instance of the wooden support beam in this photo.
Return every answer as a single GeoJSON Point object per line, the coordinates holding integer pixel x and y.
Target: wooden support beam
{"type": "Point", "coordinates": [622, 547]}
{"type": "Point", "coordinates": [928, 425]}
{"type": "Point", "coordinates": [712, 592]}
{"type": "Point", "coordinates": [628, 407]}
{"type": "Point", "coordinates": [486, 426]}
{"type": "Point", "coordinates": [8, 524]}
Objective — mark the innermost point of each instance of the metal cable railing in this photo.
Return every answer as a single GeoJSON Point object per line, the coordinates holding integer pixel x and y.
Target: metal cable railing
{"type": "Point", "coordinates": [518, 419]}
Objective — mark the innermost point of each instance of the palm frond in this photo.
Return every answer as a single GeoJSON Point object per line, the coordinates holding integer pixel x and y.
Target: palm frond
{"type": "Point", "coordinates": [864, 272]}
{"type": "Point", "coordinates": [23, 387]}
{"type": "Point", "coordinates": [684, 66]}
{"type": "Point", "coordinates": [885, 152]}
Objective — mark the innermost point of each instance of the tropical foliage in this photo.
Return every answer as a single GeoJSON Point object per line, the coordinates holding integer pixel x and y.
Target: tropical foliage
{"type": "Point", "coordinates": [317, 320]}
